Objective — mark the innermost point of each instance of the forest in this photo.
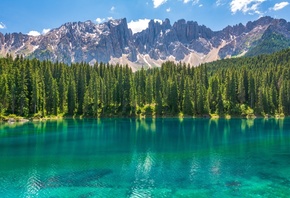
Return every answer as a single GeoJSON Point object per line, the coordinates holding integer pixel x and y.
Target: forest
{"type": "Point", "coordinates": [237, 87]}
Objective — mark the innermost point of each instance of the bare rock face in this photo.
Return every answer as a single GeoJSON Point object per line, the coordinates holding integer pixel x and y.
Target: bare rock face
{"type": "Point", "coordinates": [183, 41]}
{"type": "Point", "coordinates": [247, 38]}
{"type": "Point", "coordinates": [13, 42]}
{"type": "Point", "coordinates": [85, 41]}
{"type": "Point", "coordinates": [163, 40]}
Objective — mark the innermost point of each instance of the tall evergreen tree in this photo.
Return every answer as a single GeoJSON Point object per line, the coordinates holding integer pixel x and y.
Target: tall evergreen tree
{"type": "Point", "coordinates": [71, 97]}
{"type": "Point", "coordinates": [187, 100]}
{"type": "Point", "coordinates": [149, 90]}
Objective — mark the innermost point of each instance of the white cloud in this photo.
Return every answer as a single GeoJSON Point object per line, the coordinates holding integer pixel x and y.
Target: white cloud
{"type": "Point", "coordinates": [2, 25]}
{"type": "Point", "coordinates": [168, 9]}
{"type": "Point", "coordinates": [279, 6]}
{"type": "Point", "coordinates": [219, 2]}
{"type": "Point", "coordinates": [157, 20]}
{"type": "Point", "coordinates": [138, 26]}
{"type": "Point", "coordinates": [157, 3]}
{"type": "Point", "coordinates": [33, 33]}
{"type": "Point", "coordinates": [141, 24]}
{"type": "Point", "coordinates": [44, 31]}
{"type": "Point", "coordinates": [113, 9]}
{"type": "Point", "coordinates": [200, 5]}
{"type": "Point", "coordinates": [194, 2]}
{"type": "Point", "coordinates": [99, 20]}
{"type": "Point", "coordinates": [102, 20]}
{"type": "Point", "coordinates": [246, 6]}
{"type": "Point", "coordinates": [36, 33]}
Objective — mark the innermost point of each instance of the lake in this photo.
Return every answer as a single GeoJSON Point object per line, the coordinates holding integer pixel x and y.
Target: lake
{"type": "Point", "coordinates": [146, 158]}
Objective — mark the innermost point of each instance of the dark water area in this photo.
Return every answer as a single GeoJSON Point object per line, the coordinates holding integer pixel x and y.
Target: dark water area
{"type": "Point", "coordinates": [146, 158]}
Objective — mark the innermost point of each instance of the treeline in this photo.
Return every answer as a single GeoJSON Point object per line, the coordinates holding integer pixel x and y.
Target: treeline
{"type": "Point", "coordinates": [242, 86]}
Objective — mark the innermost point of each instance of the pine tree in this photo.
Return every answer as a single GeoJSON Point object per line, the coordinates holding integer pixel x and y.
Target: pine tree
{"type": "Point", "coordinates": [81, 85]}
{"type": "Point", "coordinates": [201, 100]}
{"type": "Point", "coordinates": [158, 94]}
{"type": "Point", "coordinates": [62, 86]}
{"type": "Point", "coordinates": [4, 93]}
{"type": "Point", "coordinates": [159, 106]}
{"type": "Point", "coordinates": [173, 97]}
{"type": "Point", "coordinates": [212, 95]}
{"type": "Point", "coordinates": [187, 101]}
{"type": "Point", "coordinates": [149, 90]}
{"type": "Point", "coordinates": [126, 85]}
{"type": "Point", "coordinates": [71, 97]}
{"type": "Point", "coordinates": [284, 98]}
{"type": "Point", "coordinates": [35, 94]}
{"type": "Point", "coordinates": [55, 98]}
{"type": "Point", "coordinates": [22, 92]}
{"type": "Point", "coordinates": [241, 89]}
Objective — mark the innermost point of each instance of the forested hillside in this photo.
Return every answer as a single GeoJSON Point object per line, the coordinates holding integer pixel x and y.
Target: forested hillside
{"type": "Point", "coordinates": [241, 86]}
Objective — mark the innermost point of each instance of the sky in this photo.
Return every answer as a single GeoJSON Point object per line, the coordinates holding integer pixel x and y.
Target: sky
{"type": "Point", "coordinates": [35, 17]}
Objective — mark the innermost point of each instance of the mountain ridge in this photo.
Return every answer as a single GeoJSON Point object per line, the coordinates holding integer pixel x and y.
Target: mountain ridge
{"type": "Point", "coordinates": [114, 42]}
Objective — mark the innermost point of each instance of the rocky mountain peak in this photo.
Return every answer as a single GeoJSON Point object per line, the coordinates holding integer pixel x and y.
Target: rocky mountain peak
{"type": "Point", "coordinates": [263, 21]}
{"type": "Point", "coordinates": [166, 24]}
{"type": "Point", "coordinates": [117, 22]}
{"type": "Point", "coordinates": [113, 41]}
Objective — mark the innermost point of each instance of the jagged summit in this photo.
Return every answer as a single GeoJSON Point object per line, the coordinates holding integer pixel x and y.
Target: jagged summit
{"type": "Point", "coordinates": [113, 41]}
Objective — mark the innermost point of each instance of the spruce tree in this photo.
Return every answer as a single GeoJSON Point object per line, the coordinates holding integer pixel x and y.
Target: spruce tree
{"type": "Point", "coordinates": [71, 97]}
{"type": "Point", "coordinates": [187, 100]}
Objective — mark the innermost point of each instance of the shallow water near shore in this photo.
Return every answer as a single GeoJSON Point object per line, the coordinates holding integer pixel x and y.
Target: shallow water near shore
{"type": "Point", "coordinates": [167, 157]}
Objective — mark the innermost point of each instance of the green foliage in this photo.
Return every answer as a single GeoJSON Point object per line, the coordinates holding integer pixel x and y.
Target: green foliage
{"type": "Point", "coordinates": [243, 87]}
{"type": "Point", "coordinates": [269, 43]}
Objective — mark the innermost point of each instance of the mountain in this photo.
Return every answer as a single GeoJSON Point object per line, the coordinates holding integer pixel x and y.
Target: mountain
{"type": "Point", "coordinates": [185, 41]}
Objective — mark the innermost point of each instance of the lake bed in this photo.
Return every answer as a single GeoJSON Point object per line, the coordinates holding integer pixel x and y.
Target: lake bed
{"type": "Point", "coordinates": [166, 157]}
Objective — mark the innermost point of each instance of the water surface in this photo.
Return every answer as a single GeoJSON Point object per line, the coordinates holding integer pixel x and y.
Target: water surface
{"type": "Point", "coordinates": [146, 158]}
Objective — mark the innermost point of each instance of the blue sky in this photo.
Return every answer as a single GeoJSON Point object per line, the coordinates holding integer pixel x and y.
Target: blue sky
{"type": "Point", "coordinates": [38, 16]}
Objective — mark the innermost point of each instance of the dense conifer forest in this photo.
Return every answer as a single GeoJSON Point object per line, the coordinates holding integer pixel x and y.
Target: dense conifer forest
{"type": "Point", "coordinates": [242, 86]}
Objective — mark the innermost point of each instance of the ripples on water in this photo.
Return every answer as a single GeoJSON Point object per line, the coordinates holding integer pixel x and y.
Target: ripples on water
{"type": "Point", "coordinates": [146, 158]}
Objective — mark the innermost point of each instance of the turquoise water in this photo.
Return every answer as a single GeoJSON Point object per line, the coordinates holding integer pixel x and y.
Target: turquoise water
{"type": "Point", "coordinates": [146, 158]}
